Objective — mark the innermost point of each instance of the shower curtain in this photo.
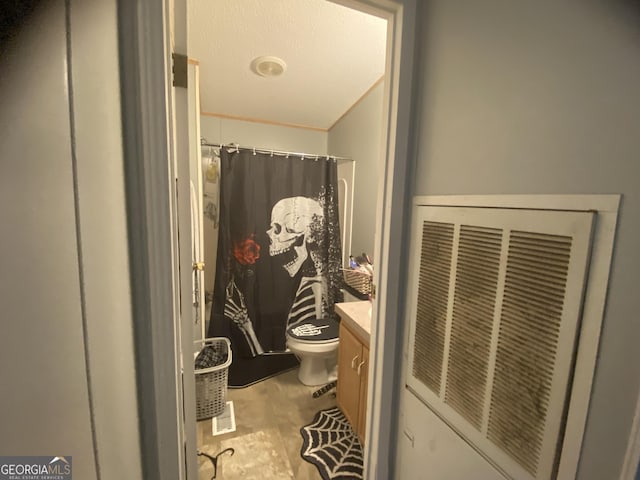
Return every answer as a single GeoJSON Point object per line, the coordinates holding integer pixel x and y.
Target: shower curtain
{"type": "Point", "coordinates": [279, 257]}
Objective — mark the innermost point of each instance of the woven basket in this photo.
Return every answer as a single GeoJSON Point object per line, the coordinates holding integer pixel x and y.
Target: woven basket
{"type": "Point", "coordinates": [211, 383]}
{"type": "Point", "coordinates": [359, 281]}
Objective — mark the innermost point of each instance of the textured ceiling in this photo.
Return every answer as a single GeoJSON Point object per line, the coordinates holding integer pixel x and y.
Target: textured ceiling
{"type": "Point", "coordinates": [333, 56]}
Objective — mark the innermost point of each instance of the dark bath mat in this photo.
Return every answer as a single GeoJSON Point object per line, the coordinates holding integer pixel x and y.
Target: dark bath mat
{"type": "Point", "coordinates": [332, 446]}
{"type": "Point", "coordinates": [244, 372]}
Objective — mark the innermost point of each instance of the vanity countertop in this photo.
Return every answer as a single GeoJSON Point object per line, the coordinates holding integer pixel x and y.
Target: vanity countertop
{"type": "Point", "coordinates": [357, 317]}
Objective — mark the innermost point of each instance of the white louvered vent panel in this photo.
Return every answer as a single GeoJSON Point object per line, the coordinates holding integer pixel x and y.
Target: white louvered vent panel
{"type": "Point", "coordinates": [495, 305]}
{"type": "Point", "coordinates": [433, 293]}
{"type": "Point", "coordinates": [472, 323]}
{"type": "Point", "coordinates": [534, 294]}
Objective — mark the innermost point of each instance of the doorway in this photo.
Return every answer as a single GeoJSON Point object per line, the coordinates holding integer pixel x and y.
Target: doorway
{"type": "Point", "coordinates": [146, 83]}
{"type": "Point", "coordinates": [312, 113]}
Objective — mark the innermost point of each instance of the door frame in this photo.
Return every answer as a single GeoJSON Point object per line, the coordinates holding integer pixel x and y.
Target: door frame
{"type": "Point", "coordinates": [631, 465]}
{"type": "Point", "coordinates": [393, 208]}
{"type": "Point", "coordinates": [145, 49]}
{"type": "Point", "coordinates": [145, 83]}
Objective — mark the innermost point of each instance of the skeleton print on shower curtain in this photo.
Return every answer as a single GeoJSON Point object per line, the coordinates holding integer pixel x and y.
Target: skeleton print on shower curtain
{"type": "Point", "coordinates": [246, 253]}
{"type": "Point", "coordinates": [297, 226]}
{"type": "Point", "coordinates": [279, 253]}
{"type": "Point", "coordinates": [295, 236]}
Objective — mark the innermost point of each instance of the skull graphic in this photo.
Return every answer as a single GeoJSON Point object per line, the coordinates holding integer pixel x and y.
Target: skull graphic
{"type": "Point", "coordinates": [292, 220]}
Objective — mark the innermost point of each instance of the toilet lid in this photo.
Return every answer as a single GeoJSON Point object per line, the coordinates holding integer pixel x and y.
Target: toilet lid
{"type": "Point", "coordinates": [315, 330]}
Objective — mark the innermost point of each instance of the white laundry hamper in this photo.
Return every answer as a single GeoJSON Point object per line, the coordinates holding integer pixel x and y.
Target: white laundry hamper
{"type": "Point", "coordinates": [211, 383]}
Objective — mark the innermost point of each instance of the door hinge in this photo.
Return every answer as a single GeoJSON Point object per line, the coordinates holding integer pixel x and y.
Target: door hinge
{"type": "Point", "coordinates": [179, 69]}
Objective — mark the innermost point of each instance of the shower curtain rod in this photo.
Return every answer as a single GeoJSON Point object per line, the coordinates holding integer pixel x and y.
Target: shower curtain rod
{"type": "Point", "coordinates": [281, 153]}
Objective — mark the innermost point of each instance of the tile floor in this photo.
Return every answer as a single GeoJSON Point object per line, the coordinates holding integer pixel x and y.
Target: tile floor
{"type": "Point", "coordinates": [267, 439]}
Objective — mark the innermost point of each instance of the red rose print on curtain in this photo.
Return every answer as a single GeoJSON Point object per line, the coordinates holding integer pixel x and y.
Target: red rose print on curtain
{"type": "Point", "coordinates": [246, 251]}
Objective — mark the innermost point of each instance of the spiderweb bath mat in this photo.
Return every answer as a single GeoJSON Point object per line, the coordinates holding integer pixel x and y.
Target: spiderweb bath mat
{"type": "Point", "coordinates": [332, 446]}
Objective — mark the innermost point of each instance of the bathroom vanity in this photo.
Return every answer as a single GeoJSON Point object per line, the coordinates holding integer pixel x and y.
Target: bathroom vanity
{"type": "Point", "coordinates": [353, 362]}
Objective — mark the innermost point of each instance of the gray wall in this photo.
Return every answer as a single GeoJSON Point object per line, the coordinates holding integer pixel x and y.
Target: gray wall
{"type": "Point", "coordinates": [358, 135]}
{"type": "Point", "coordinates": [254, 134]}
{"type": "Point", "coordinates": [543, 97]}
{"type": "Point", "coordinates": [49, 342]}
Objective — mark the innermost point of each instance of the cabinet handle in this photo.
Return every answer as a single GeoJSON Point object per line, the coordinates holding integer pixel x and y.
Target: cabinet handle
{"type": "Point", "coordinates": [360, 366]}
{"type": "Point", "coordinates": [353, 362]}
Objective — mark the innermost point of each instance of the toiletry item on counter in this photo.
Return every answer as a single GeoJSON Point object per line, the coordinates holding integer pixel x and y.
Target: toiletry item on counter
{"type": "Point", "coordinates": [366, 263]}
{"type": "Point", "coordinates": [361, 263]}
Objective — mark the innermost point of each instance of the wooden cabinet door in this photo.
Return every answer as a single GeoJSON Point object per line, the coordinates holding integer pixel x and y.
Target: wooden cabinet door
{"type": "Point", "coordinates": [362, 411]}
{"type": "Point", "coordinates": [348, 391]}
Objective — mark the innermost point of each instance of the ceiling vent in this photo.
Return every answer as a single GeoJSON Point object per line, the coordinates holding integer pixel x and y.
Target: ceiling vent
{"type": "Point", "coordinates": [268, 66]}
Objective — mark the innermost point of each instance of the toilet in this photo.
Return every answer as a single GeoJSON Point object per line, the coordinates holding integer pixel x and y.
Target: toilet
{"type": "Point", "coordinates": [315, 343]}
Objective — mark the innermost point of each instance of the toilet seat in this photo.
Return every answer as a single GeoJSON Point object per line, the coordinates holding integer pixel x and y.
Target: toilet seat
{"type": "Point", "coordinates": [315, 343]}
{"type": "Point", "coordinates": [315, 331]}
